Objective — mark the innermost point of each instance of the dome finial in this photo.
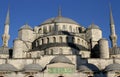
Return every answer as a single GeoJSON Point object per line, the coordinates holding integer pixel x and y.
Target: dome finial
{"type": "Point", "coordinates": [92, 23]}
{"type": "Point", "coordinates": [59, 12]}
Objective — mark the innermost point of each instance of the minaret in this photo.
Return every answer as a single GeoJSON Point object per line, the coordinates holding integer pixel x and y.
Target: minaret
{"type": "Point", "coordinates": [6, 35]}
{"type": "Point", "coordinates": [113, 36]}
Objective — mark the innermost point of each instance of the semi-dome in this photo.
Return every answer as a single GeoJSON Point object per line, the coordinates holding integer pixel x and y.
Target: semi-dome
{"type": "Point", "coordinates": [88, 68]}
{"type": "Point", "coordinates": [59, 19]}
{"type": "Point", "coordinates": [113, 67]}
{"type": "Point", "coordinates": [26, 26]}
{"type": "Point", "coordinates": [93, 26]}
{"type": "Point", "coordinates": [84, 68]}
{"type": "Point", "coordinates": [7, 67]}
{"type": "Point", "coordinates": [32, 67]}
{"type": "Point", "coordinates": [60, 59]}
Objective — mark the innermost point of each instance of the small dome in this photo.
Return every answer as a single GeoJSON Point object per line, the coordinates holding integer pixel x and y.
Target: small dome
{"type": "Point", "coordinates": [84, 68]}
{"type": "Point", "coordinates": [26, 26]}
{"type": "Point", "coordinates": [32, 67]}
{"type": "Point", "coordinates": [60, 59]}
{"type": "Point", "coordinates": [60, 19]}
{"type": "Point", "coordinates": [7, 67]}
{"type": "Point", "coordinates": [93, 26]}
{"type": "Point", "coordinates": [113, 67]}
{"type": "Point", "coordinates": [88, 68]}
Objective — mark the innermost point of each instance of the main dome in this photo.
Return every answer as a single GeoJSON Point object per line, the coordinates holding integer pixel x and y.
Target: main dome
{"type": "Point", "coordinates": [59, 19]}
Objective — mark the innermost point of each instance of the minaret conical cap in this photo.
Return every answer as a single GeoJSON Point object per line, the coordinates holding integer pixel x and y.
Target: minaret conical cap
{"type": "Point", "coordinates": [111, 16]}
{"type": "Point", "coordinates": [8, 17]}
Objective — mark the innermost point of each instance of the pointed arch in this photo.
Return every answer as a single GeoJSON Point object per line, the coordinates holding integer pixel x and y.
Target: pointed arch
{"type": "Point", "coordinates": [60, 76]}
{"type": "Point", "coordinates": [72, 39]}
{"type": "Point", "coordinates": [31, 76]}
{"type": "Point", "coordinates": [42, 41]}
{"type": "Point", "coordinates": [64, 27]}
{"type": "Point", "coordinates": [45, 29]}
{"type": "Point", "coordinates": [78, 41]}
{"type": "Point", "coordinates": [49, 28]}
{"type": "Point", "coordinates": [90, 76]}
{"type": "Point", "coordinates": [61, 39]}
{"type": "Point", "coordinates": [70, 28]}
{"type": "Point", "coordinates": [47, 40]}
{"type": "Point", "coordinates": [54, 39]}
{"type": "Point", "coordinates": [40, 30]}
{"type": "Point", "coordinates": [51, 51]}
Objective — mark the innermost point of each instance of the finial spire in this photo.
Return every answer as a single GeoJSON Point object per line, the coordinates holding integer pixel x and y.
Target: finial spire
{"type": "Point", "coordinates": [8, 17]}
{"type": "Point", "coordinates": [113, 36]}
{"type": "Point", "coordinates": [59, 12]}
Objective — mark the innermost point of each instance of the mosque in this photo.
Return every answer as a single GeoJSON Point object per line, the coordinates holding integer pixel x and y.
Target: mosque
{"type": "Point", "coordinates": [60, 47]}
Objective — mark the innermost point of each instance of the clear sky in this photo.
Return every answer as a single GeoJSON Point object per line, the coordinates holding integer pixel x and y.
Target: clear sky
{"type": "Point", "coordinates": [34, 12]}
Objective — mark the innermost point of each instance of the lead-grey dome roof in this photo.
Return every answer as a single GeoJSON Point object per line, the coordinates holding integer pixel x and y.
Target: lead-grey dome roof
{"type": "Point", "coordinates": [88, 68]}
{"type": "Point", "coordinates": [84, 68]}
{"type": "Point", "coordinates": [26, 26]}
{"type": "Point", "coordinates": [32, 67]}
{"type": "Point", "coordinates": [7, 67]}
{"type": "Point", "coordinates": [93, 26]}
{"type": "Point", "coordinates": [113, 67]}
{"type": "Point", "coordinates": [60, 59]}
{"type": "Point", "coordinates": [59, 19]}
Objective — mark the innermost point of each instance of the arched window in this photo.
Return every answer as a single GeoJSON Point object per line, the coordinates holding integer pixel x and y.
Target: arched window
{"type": "Point", "coordinates": [42, 41]}
{"type": "Point", "coordinates": [64, 27]}
{"type": "Point", "coordinates": [60, 76]}
{"type": "Point", "coordinates": [50, 29]}
{"type": "Point", "coordinates": [47, 40]}
{"type": "Point", "coordinates": [78, 41]}
{"type": "Point", "coordinates": [61, 39]}
{"type": "Point", "coordinates": [51, 51]}
{"type": "Point", "coordinates": [30, 76]}
{"type": "Point", "coordinates": [38, 55]}
{"type": "Point", "coordinates": [82, 42]}
{"type": "Point", "coordinates": [72, 39]}
{"type": "Point", "coordinates": [80, 29]}
{"type": "Point", "coordinates": [54, 39]}
{"type": "Point", "coordinates": [90, 76]}
{"type": "Point", "coordinates": [46, 52]}
{"type": "Point", "coordinates": [70, 28]}
{"type": "Point", "coordinates": [55, 27]}
{"type": "Point", "coordinates": [67, 39]}
{"type": "Point", "coordinates": [76, 29]}
{"type": "Point", "coordinates": [28, 55]}
{"type": "Point", "coordinates": [37, 43]}
{"type": "Point", "coordinates": [45, 29]}
{"type": "Point", "coordinates": [40, 30]}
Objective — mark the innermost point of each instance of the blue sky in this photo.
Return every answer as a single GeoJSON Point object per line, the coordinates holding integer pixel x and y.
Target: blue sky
{"type": "Point", "coordinates": [34, 12]}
